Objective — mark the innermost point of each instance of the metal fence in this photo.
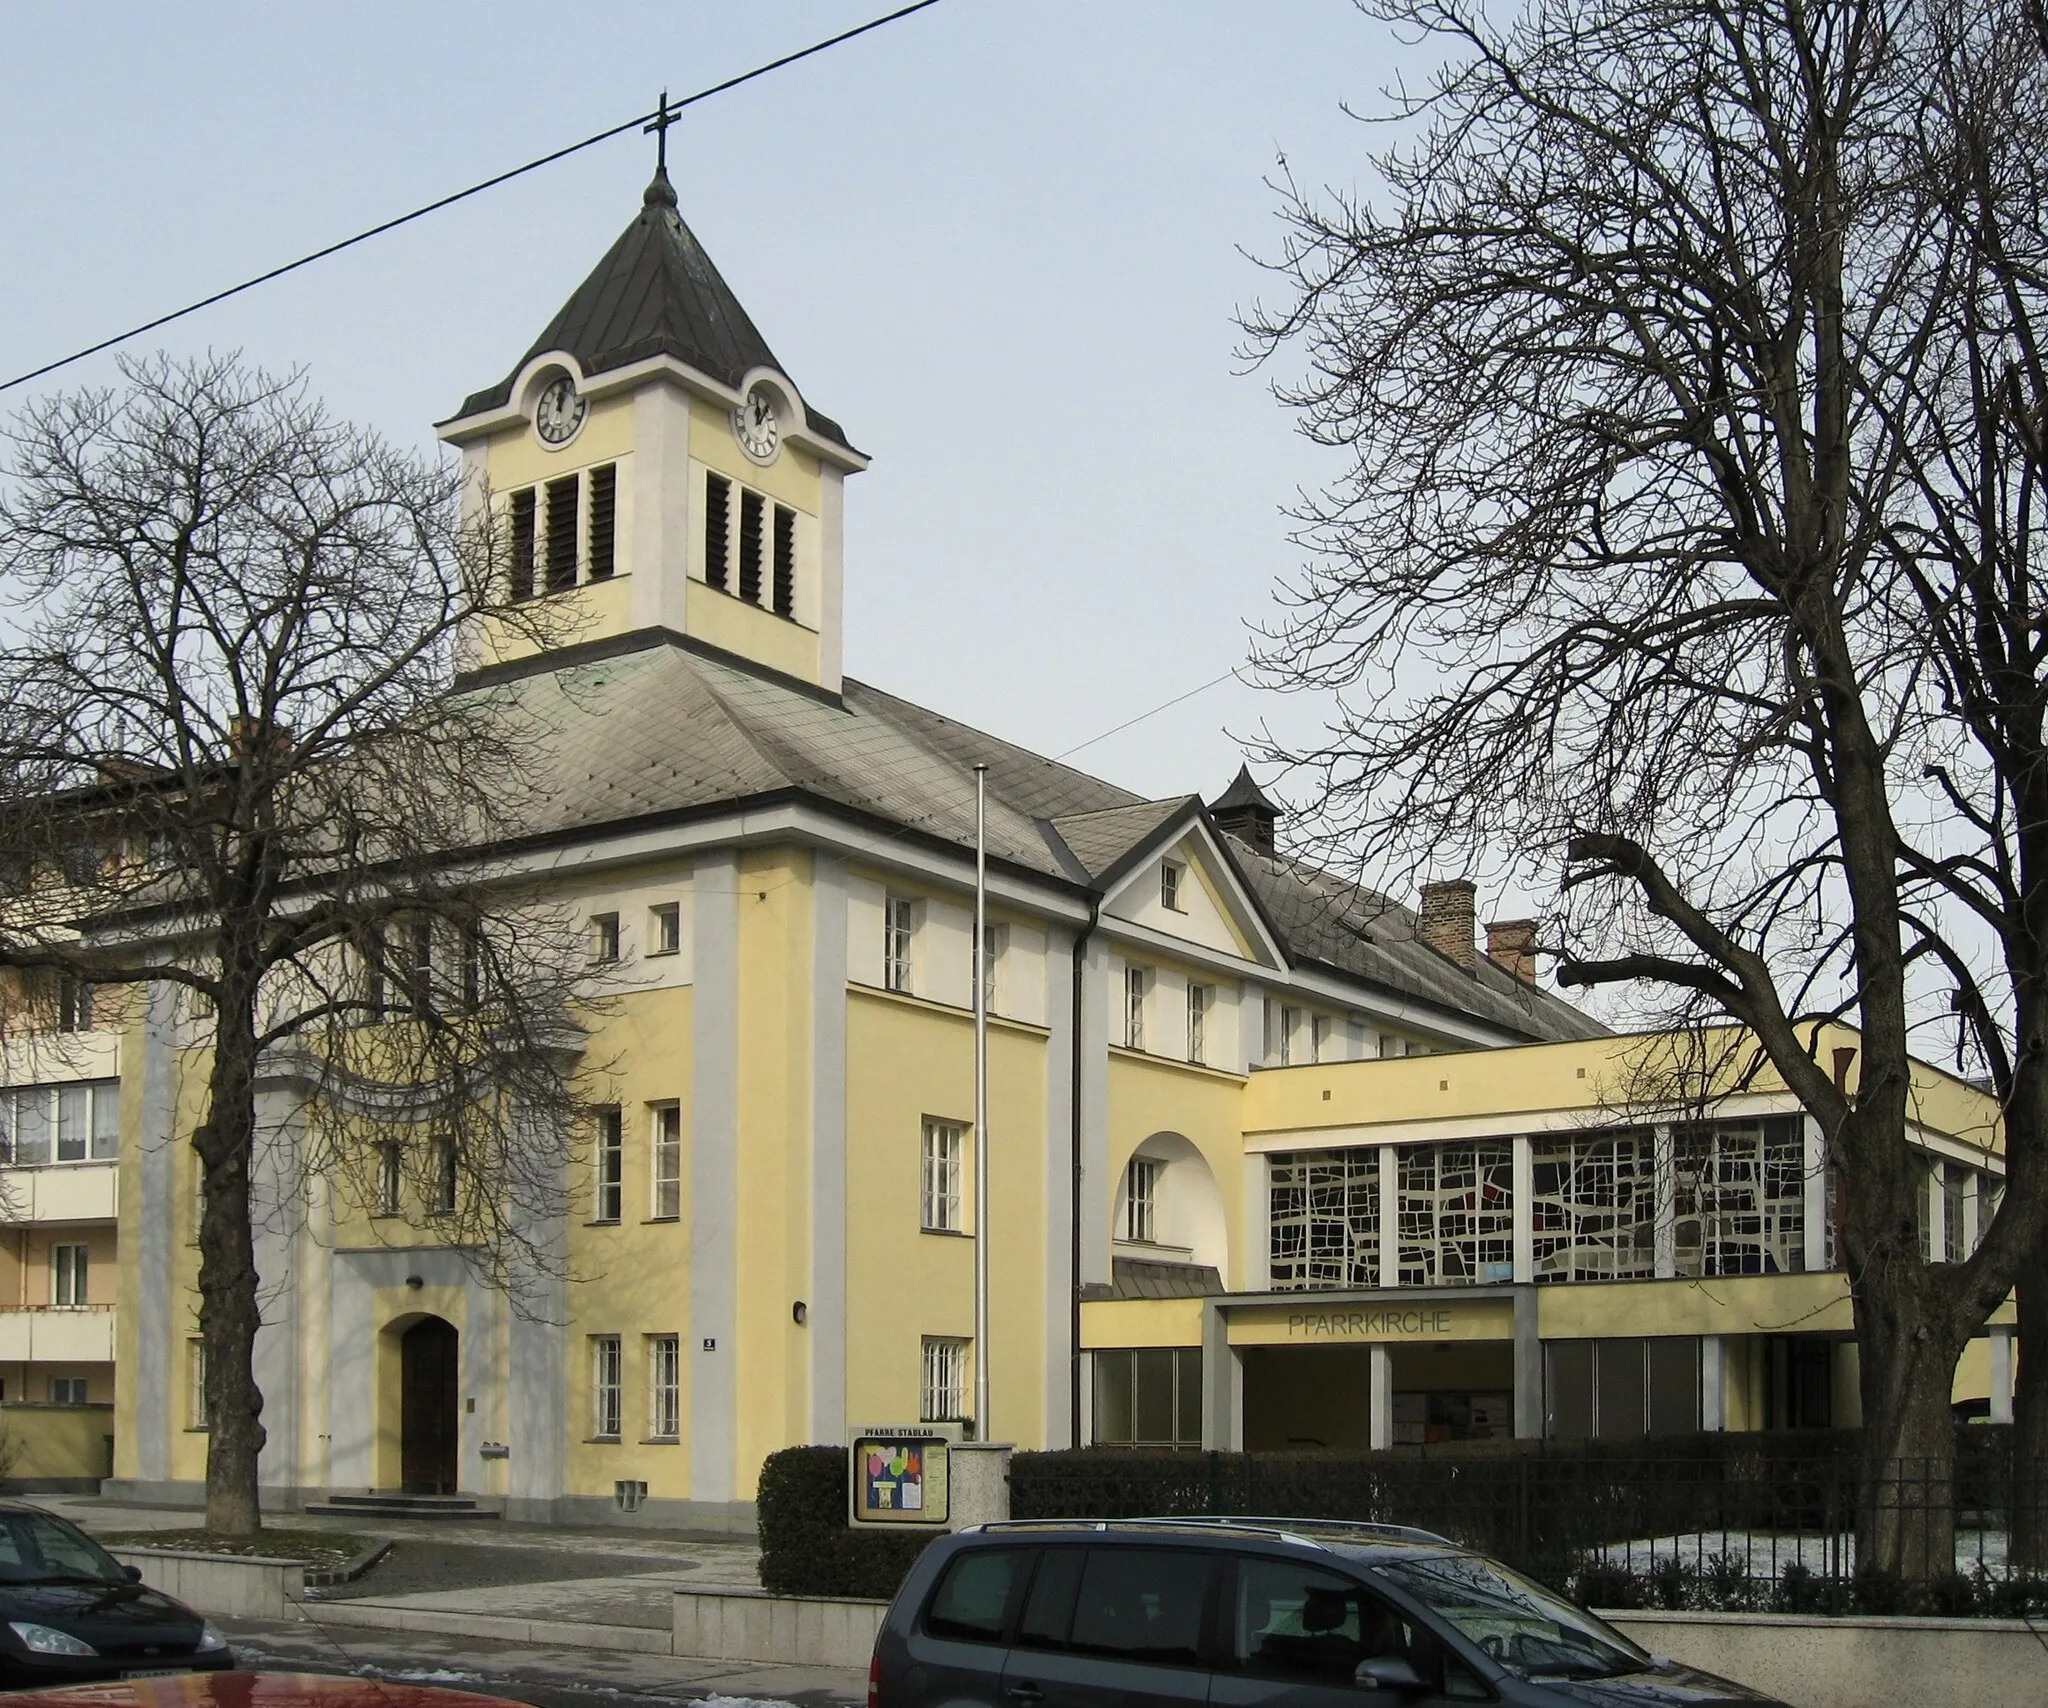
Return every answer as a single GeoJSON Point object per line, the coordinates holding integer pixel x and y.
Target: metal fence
{"type": "Point", "coordinates": [1760, 1524]}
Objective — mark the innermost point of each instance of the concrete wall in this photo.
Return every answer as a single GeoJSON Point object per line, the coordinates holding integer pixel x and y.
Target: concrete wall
{"type": "Point", "coordinates": [1853, 1663]}
{"type": "Point", "coordinates": [736, 1625]}
{"type": "Point", "coordinates": [223, 1584]}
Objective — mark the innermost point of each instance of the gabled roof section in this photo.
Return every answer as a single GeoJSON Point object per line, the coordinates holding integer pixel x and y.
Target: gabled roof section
{"type": "Point", "coordinates": [1324, 918]}
{"type": "Point", "coordinates": [1101, 841]}
{"type": "Point", "coordinates": [655, 293]}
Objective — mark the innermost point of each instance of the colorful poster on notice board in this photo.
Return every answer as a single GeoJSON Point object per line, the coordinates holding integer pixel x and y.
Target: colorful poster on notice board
{"type": "Point", "coordinates": [899, 1479]}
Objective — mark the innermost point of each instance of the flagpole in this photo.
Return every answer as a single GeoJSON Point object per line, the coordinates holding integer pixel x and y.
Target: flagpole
{"type": "Point", "coordinates": [984, 1222]}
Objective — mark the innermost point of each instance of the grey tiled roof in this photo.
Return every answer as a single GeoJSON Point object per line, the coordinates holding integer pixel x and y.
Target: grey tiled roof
{"type": "Point", "coordinates": [668, 728]}
{"type": "Point", "coordinates": [1141, 1278]}
{"type": "Point", "coordinates": [655, 293]}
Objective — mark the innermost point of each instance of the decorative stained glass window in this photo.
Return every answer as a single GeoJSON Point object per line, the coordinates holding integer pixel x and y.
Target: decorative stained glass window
{"type": "Point", "coordinates": [1595, 1209]}
{"type": "Point", "coordinates": [1741, 1197]}
{"type": "Point", "coordinates": [1455, 1217]}
{"type": "Point", "coordinates": [1325, 1221]}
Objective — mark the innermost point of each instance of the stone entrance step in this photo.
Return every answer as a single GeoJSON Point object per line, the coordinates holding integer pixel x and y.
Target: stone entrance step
{"type": "Point", "coordinates": [383, 1504]}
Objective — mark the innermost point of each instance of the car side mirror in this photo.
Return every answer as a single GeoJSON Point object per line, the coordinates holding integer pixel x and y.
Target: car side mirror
{"type": "Point", "coordinates": [132, 1573]}
{"type": "Point", "coordinates": [1386, 1672]}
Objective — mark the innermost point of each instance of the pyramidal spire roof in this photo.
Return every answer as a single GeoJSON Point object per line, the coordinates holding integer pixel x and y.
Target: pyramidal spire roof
{"type": "Point", "coordinates": [655, 293]}
{"type": "Point", "coordinates": [1242, 793]}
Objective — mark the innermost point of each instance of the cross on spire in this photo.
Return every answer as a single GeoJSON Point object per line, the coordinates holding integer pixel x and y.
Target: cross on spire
{"type": "Point", "coordinates": [659, 127]}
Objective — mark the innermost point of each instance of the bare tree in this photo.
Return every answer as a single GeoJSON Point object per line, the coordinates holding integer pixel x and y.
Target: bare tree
{"type": "Point", "coordinates": [1686, 365]}
{"type": "Point", "coordinates": [234, 781]}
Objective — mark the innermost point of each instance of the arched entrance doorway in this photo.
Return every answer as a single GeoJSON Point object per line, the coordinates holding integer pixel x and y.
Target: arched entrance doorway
{"type": "Point", "coordinates": [427, 1422]}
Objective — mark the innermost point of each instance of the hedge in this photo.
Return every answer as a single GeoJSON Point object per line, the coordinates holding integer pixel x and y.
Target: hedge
{"type": "Point", "coordinates": [807, 1547]}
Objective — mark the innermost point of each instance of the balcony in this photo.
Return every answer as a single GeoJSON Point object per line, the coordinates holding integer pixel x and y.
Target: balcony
{"type": "Point", "coordinates": [61, 1192]}
{"type": "Point", "coordinates": [58, 1334]}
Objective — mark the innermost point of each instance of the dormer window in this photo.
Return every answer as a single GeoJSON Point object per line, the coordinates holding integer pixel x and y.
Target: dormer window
{"type": "Point", "coordinates": [753, 554]}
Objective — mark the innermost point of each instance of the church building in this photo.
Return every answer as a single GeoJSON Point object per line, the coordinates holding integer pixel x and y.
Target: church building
{"type": "Point", "coordinates": [1275, 1161]}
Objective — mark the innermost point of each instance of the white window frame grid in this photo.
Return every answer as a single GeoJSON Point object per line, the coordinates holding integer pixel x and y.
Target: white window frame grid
{"type": "Point", "coordinates": [390, 1180]}
{"type": "Point", "coordinates": [447, 1178]}
{"type": "Point", "coordinates": [1198, 1018]}
{"type": "Point", "coordinates": [942, 1159]}
{"type": "Point", "coordinates": [995, 944]}
{"type": "Point", "coordinates": [1593, 1212]}
{"type": "Point", "coordinates": [1171, 876]}
{"type": "Point", "coordinates": [664, 1387]}
{"type": "Point", "coordinates": [942, 1391]}
{"type": "Point", "coordinates": [1324, 1218]}
{"type": "Point", "coordinates": [607, 1392]}
{"type": "Point", "coordinates": [1289, 1019]}
{"type": "Point", "coordinates": [1137, 980]}
{"type": "Point", "coordinates": [608, 1167]}
{"type": "Point", "coordinates": [1455, 1213]}
{"type": "Point", "coordinates": [899, 943]}
{"type": "Point", "coordinates": [1141, 1200]}
{"type": "Point", "coordinates": [665, 928]}
{"type": "Point", "coordinates": [665, 1162]}
{"type": "Point", "coordinates": [195, 1383]}
{"type": "Point", "coordinates": [82, 1117]}
{"type": "Point", "coordinates": [1949, 1178]}
{"type": "Point", "coordinates": [70, 1274]}
{"type": "Point", "coordinates": [606, 940]}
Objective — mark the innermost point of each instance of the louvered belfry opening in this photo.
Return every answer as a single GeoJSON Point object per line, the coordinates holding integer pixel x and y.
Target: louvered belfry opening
{"type": "Point", "coordinates": [522, 544]}
{"type": "Point", "coordinates": [604, 512]}
{"type": "Point", "coordinates": [717, 531]}
{"type": "Point", "coordinates": [785, 561]}
{"type": "Point", "coordinates": [561, 539]}
{"type": "Point", "coordinates": [751, 509]}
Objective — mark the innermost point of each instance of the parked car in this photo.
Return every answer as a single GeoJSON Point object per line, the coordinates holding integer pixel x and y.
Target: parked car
{"type": "Point", "coordinates": [69, 1611]}
{"type": "Point", "coordinates": [1249, 1613]}
{"type": "Point", "coordinates": [255, 1690]}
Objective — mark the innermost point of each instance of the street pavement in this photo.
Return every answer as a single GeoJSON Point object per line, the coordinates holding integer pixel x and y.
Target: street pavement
{"type": "Point", "coordinates": [473, 1581]}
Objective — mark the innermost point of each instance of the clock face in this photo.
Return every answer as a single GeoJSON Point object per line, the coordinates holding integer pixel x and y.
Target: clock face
{"type": "Point", "coordinates": [757, 426]}
{"type": "Point", "coordinates": [560, 412]}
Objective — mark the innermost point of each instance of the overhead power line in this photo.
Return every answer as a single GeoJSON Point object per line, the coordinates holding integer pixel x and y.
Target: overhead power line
{"type": "Point", "coordinates": [635, 123]}
{"type": "Point", "coordinates": [1163, 706]}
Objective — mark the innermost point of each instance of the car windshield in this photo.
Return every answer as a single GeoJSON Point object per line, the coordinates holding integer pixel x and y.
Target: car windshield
{"type": "Point", "coordinates": [1520, 1624]}
{"type": "Point", "coordinates": [37, 1548]}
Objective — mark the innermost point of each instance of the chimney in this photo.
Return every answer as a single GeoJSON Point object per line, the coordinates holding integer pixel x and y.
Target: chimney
{"type": "Point", "coordinates": [1449, 920]}
{"type": "Point", "coordinates": [1511, 946]}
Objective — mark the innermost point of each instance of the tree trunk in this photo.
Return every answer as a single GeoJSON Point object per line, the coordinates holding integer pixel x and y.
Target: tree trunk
{"type": "Point", "coordinates": [229, 1311]}
{"type": "Point", "coordinates": [2029, 1540]}
{"type": "Point", "coordinates": [1906, 1512]}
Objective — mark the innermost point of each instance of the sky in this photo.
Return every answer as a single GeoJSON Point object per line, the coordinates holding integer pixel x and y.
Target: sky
{"type": "Point", "coordinates": [1003, 242]}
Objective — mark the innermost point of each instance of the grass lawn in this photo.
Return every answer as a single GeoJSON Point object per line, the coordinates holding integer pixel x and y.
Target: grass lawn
{"type": "Point", "coordinates": [323, 1550]}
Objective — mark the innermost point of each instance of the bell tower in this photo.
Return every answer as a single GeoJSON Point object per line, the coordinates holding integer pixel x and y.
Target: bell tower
{"type": "Point", "coordinates": [652, 468]}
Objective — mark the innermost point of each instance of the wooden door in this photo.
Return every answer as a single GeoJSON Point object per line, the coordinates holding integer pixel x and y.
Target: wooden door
{"type": "Point", "coordinates": [427, 1420]}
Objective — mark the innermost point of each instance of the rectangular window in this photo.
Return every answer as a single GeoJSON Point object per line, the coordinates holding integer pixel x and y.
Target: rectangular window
{"type": "Point", "coordinates": [717, 531]}
{"type": "Point", "coordinates": [610, 1163]}
{"type": "Point", "coordinates": [943, 1398]}
{"type": "Point", "coordinates": [1741, 1197]}
{"type": "Point", "coordinates": [1594, 1214]}
{"type": "Point", "coordinates": [74, 1122]}
{"type": "Point", "coordinates": [750, 546]}
{"type": "Point", "coordinates": [665, 928]}
{"type": "Point", "coordinates": [67, 1391]}
{"type": "Point", "coordinates": [447, 1177]}
{"type": "Point", "coordinates": [944, 1145]}
{"type": "Point", "coordinates": [1141, 1201]}
{"type": "Point", "coordinates": [604, 938]}
{"type": "Point", "coordinates": [664, 1386]}
{"type": "Point", "coordinates": [195, 1384]}
{"type": "Point", "coordinates": [68, 1271]}
{"type": "Point", "coordinates": [1169, 886]}
{"type": "Point", "coordinates": [1290, 1020]}
{"type": "Point", "coordinates": [1324, 1219]}
{"type": "Point", "coordinates": [373, 958]}
{"type": "Point", "coordinates": [1198, 1022]}
{"type": "Point", "coordinates": [561, 541]}
{"type": "Point", "coordinates": [523, 539]}
{"type": "Point", "coordinates": [666, 1170]}
{"type": "Point", "coordinates": [604, 520]}
{"type": "Point", "coordinates": [1135, 979]}
{"type": "Point", "coordinates": [1318, 1036]}
{"type": "Point", "coordinates": [604, 1386]}
{"type": "Point", "coordinates": [419, 965]}
{"type": "Point", "coordinates": [472, 967]}
{"type": "Point", "coordinates": [106, 1120]}
{"type": "Point", "coordinates": [1455, 1219]}
{"type": "Point", "coordinates": [1950, 1178]}
{"type": "Point", "coordinates": [1148, 1396]}
{"type": "Point", "coordinates": [74, 1005]}
{"type": "Point", "coordinates": [32, 1135]}
{"type": "Point", "coordinates": [785, 561]}
{"type": "Point", "coordinates": [899, 932]}
{"type": "Point", "coordinates": [995, 941]}
{"type": "Point", "coordinates": [390, 1180]}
